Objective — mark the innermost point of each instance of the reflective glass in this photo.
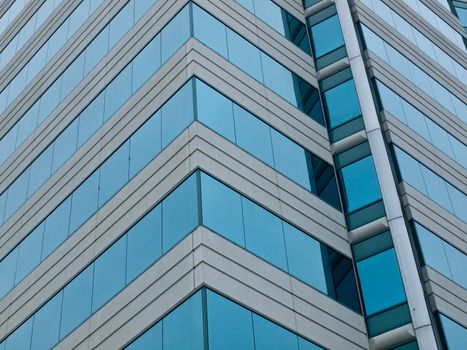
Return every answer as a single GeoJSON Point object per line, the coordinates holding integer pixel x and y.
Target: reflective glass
{"type": "Point", "coordinates": [84, 201]}
{"type": "Point", "coordinates": [146, 144]}
{"type": "Point", "coordinates": [244, 55]}
{"type": "Point", "coordinates": [46, 327]}
{"type": "Point", "coordinates": [270, 336]}
{"type": "Point", "coordinates": [56, 228]}
{"type": "Point", "coordinates": [278, 78]}
{"type": "Point", "coordinates": [7, 272]}
{"type": "Point", "coordinates": [96, 50]}
{"type": "Point", "coordinates": [21, 337]}
{"type": "Point", "coordinates": [185, 320]}
{"type": "Point", "coordinates": [151, 339]}
{"type": "Point", "coordinates": [230, 325]}
{"type": "Point", "coordinates": [144, 243]}
{"type": "Point", "coordinates": [263, 234]}
{"type": "Point", "coordinates": [215, 110]}
{"type": "Point", "coordinates": [222, 210]}
{"type": "Point", "coordinates": [210, 31]}
{"type": "Point", "coordinates": [117, 92]}
{"type": "Point", "coordinates": [437, 190]}
{"type": "Point", "coordinates": [114, 173]}
{"type": "Point", "coordinates": [454, 334]}
{"type": "Point", "coordinates": [72, 75]}
{"type": "Point", "coordinates": [40, 170]}
{"type": "Point", "coordinates": [177, 113]}
{"type": "Point", "coordinates": [29, 253]}
{"type": "Point", "coordinates": [109, 273]}
{"type": "Point", "coordinates": [253, 135]}
{"type": "Point", "coordinates": [90, 119]}
{"type": "Point", "coordinates": [410, 171]}
{"type": "Point", "coordinates": [121, 24]}
{"type": "Point", "coordinates": [380, 282]}
{"type": "Point", "coordinates": [175, 33]}
{"type": "Point", "coordinates": [290, 159]}
{"type": "Point", "coordinates": [304, 258]}
{"type": "Point", "coordinates": [65, 145]}
{"type": "Point", "coordinates": [147, 62]}
{"type": "Point", "coordinates": [342, 103]}
{"type": "Point", "coordinates": [77, 300]}
{"type": "Point", "coordinates": [183, 202]}
{"type": "Point", "coordinates": [360, 184]}
{"type": "Point", "coordinates": [327, 36]}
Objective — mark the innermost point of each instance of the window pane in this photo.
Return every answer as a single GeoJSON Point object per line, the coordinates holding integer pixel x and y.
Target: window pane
{"type": "Point", "coordinates": [21, 337]}
{"type": "Point", "coordinates": [109, 273]}
{"type": "Point", "coordinates": [77, 297]}
{"type": "Point", "coordinates": [65, 145]}
{"type": "Point", "coordinates": [7, 272]}
{"type": "Point", "coordinates": [121, 23]}
{"type": "Point", "coordinates": [327, 36]}
{"type": "Point", "coordinates": [215, 111]}
{"type": "Point", "coordinates": [278, 79]}
{"type": "Point", "coordinates": [244, 55]}
{"type": "Point", "coordinates": [230, 325]}
{"type": "Point", "coordinates": [29, 253]}
{"type": "Point", "coordinates": [146, 62]}
{"type": "Point", "coordinates": [72, 75]}
{"type": "Point", "coordinates": [454, 333]}
{"type": "Point", "coordinates": [380, 281]}
{"type": "Point", "coordinates": [183, 327]}
{"type": "Point", "coordinates": [145, 144]}
{"type": "Point", "coordinates": [222, 210]}
{"type": "Point", "coordinates": [117, 92]}
{"type": "Point", "coordinates": [114, 173]}
{"type": "Point", "coordinates": [263, 234]}
{"type": "Point", "coordinates": [27, 124]}
{"type": "Point", "coordinates": [416, 120]}
{"type": "Point", "coordinates": [342, 103]}
{"type": "Point", "coordinates": [91, 119]}
{"type": "Point", "coordinates": [181, 203]}
{"type": "Point", "coordinates": [304, 258]}
{"type": "Point", "coordinates": [360, 184]}
{"type": "Point", "coordinates": [56, 227]}
{"type": "Point", "coordinates": [175, 34]}
{"type": "Point", "coordinates": [84, 201]}
{"type": "Point", "coordinates": [17, 193]}
{"type": "Point", "coordinates": [270, 336]}
{"type": "Point", "coordinates": [253, 135]}
{"type": "Point", "coordinates": [210, 31]}
{"type": "Point", "coordinates": [47, 324]}
{"type": "Point", "coordinates": [144, 243]}
{"type": "Point", "coordinates": [410, 171]}
{"type": "Point", "coordinates": [177, 113]}
{"type": "Point", "coordinates": [151, 339]}
{"type": "Point", "coordinates": [290, 159]}
{"type": "Point", "coordinates": [437, 190]}
{"type": "Point", "coordinates": [40, 170]}
{"type": "Point", "coordinates": [458, 264]}
{"type": "Point", "coordinates": [96, 50]}
{"type": "Point", "coordinates": [433, 251]}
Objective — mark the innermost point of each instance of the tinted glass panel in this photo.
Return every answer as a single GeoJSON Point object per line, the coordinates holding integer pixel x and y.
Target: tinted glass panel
{"type": "Point", "coordinates": [327, 36]}
{"type": "Point", "coordinates": [380, 282]}
{"type": "Point", "coordinates": [342, 103]}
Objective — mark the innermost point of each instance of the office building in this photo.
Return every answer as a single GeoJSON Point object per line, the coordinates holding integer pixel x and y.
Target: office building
{"type": "Point", "coordinates": [233, 174]}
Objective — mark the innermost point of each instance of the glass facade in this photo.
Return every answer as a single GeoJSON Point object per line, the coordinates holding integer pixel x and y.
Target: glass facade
{"type": "Point", "coordinates": [227, 326]}
{"type": "Point", "coordinates": [253, 228]}
{"type": "Point", "coordinates": [267, 123]}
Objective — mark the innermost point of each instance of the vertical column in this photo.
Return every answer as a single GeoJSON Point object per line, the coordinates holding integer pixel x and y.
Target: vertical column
{"type": "Point", "coordinates": [413, 288]}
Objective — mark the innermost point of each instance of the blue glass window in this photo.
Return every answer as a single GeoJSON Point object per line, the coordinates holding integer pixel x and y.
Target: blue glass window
{"type": "Point", "coordinates": [270, 336]}
{"type": "Point", "coordinates": [46, 326]}
{"type": "Point", "coordinates": [29, 253]}
{"type": "Point", "coordinates": [380, 282]}
{"type": "Point", "coordinates": [342, 103]}
{"type": "Point", "coordinates": [183, 327]}
{"type": "Point", "coordinates": [230, 325]}
{"type": "Point", "coordinates": [263, 234]}
{"type": "Point", "coordinates": [144, 243]}
{"type": "Point", "coordinates": [360, 184]}
{"type": "Point", "coordinates": [454, 334]}
{"type": "Point", "coordinates": [145, 143]}
{"type": "Point", "coordinates": [326, 36]}
{"type": "Point", "coordinates": [77, 301]}
{"type": "Point", "coordinates": [222, 210]}
{"type": "Point", "coordinates": [84, 201]}
{"type": "Point", "coordinates": [182, 203]}
{"type": "Point", "coordinates": [109, 273]}
{"type": "Point", "coordinates": [244, 55]}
